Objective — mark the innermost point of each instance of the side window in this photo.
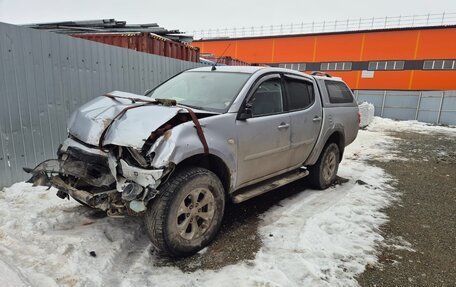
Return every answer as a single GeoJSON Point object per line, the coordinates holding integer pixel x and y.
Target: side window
{"type": "Point", "coordinates": [300, 94]}
{"type": "Point", "coordinates": [338, 92]}
{"type": "Point", "coordinates": [267, 99]}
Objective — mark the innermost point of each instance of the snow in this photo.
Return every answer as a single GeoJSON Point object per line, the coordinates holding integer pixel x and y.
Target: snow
{"type": "Point", "coordinates": [314, 238]}
{"type": "Point", "coordinates": [381, 124]}
{"type": "Point", "coordinates": [366, 112]}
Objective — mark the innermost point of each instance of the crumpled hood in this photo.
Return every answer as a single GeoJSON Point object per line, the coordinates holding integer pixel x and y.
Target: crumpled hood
{"type": "Point", "coordinates": [131, 129]}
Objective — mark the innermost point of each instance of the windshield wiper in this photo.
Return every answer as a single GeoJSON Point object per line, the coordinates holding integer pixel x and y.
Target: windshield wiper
{"type": "Point", "coordinates": [190, 106]}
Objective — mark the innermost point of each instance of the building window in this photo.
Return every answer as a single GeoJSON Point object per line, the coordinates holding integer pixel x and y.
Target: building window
{"type": "Point", "coordinates": [439, 65]}
{"type": "Point", "coordinates": [294, 66]}
{"type": "Point", "coordinates": [336, 66]}
{"type": "Point", "coordinates": [386, 65]}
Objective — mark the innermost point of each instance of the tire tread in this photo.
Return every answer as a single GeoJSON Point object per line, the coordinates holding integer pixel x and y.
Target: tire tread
{"type": "Point", "coordinates": [155, 218]}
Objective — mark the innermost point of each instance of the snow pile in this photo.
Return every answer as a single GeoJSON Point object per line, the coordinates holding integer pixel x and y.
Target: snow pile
{"type": "Point", "coordinates": [314, 238]}
{"type": "Point", "coordinates": [366, 111]}
{"type": "Point", "coordinates": [382, 124]}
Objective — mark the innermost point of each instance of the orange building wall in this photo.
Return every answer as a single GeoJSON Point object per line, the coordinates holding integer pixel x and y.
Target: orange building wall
{"type": "Point", "coordinates": [420, 44]}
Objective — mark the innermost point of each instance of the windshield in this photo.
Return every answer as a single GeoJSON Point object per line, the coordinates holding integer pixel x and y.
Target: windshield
{"type": "Point", "coordinates": [211, 91]}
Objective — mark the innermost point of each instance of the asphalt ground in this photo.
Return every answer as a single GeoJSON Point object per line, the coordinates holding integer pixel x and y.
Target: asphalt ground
{"type": "Point", "coordinates": [424, 215]}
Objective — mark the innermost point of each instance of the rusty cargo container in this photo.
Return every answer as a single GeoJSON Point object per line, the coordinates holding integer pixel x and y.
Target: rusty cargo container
{"type": "Point", "coordinates": [147, 43]}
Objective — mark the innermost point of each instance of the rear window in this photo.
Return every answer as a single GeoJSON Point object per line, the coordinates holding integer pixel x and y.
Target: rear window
{"type": "Point", "coordinates": [300, 94]}
{"type": "Point", "coordinates": [338, 92]}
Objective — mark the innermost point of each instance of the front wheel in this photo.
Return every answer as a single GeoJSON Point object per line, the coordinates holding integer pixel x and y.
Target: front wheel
{"type": "Point", "coordinates": [188, 212]}
{"type": "Point", "coordinates": [324, 172]}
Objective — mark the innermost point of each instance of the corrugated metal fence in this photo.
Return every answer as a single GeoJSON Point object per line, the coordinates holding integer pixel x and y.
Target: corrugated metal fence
{"type": "Point", "coordinates": [45, 76]}
{"type": "Point", "coordinates": [437, 107]}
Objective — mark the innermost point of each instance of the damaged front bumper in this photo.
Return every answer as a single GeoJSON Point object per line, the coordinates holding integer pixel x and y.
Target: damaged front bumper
{"type": "Point", "coordinates": [97, 178]}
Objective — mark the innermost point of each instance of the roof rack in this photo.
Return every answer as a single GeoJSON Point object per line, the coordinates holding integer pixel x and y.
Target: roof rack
{"type": "Point", "coordinates": [321, 74]}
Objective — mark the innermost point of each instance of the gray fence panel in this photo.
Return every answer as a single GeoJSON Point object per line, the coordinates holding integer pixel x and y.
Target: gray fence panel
{"type": "Point", "coordinates": [427, 106]}
{"type": "Point", "coordinates": [400, 105]}
{"type": "Point", "coordinates": [427, 116]}
{"type": "Point", "coordinates": [399, 113]}
{"type": "Point", "coordinates": [447, 118]}
{"type": "Point", "coordinates": [401, 99]}
{"type": "Point", "coordinates": [373, 97]}
{"type": "Point", "coordinates": [45, 76]}
{"type": "Point", "coordinates": [431, 101]}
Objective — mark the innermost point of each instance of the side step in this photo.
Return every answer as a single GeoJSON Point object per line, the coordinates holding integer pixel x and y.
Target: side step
{"type": "Point", "coordinates": [268, 185]}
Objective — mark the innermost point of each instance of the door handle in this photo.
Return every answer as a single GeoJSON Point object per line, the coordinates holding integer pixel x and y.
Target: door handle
{"type": "Point", "coordinates": [316, 119]}
{"type": "Point", "coordinates": [283, 126]}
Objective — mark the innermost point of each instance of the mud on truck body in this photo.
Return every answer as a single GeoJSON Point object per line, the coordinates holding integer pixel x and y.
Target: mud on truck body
{"type": "Point", "coordinates": [203, 137]}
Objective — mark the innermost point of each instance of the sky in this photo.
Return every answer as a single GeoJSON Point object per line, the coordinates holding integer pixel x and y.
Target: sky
{"type": "Point", "coordinates": [196, 15]}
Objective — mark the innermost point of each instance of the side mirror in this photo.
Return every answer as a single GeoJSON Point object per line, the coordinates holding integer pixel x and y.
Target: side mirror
{"type": "Point", "coordinates": [247, 113]}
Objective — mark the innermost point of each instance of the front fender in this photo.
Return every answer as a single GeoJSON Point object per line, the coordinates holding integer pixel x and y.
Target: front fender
{"type": "Point", "coordinates": [182, 142]}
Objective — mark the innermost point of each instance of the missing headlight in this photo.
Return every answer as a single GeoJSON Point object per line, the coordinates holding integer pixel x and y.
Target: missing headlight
{"type": "Point", "coordinates": [137, 157]}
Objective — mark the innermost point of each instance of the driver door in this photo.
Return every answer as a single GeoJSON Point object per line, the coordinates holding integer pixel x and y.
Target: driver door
{"type": "Point", "coordinates": [264, 139]}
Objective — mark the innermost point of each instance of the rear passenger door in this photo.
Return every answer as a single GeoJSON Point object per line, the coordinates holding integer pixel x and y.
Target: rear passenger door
{"type": "Point", "coordinates": [305, 112]}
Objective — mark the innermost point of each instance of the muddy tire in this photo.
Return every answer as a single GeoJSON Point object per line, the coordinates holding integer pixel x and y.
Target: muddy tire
{"type": "Point", "coordinates": [187, 213]}
{"type": "Point", "coordinates": [324, 172]}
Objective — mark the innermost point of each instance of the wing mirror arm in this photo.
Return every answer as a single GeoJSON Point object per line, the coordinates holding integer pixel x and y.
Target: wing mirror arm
{"type": "Point", "coordinates": [246, 113]}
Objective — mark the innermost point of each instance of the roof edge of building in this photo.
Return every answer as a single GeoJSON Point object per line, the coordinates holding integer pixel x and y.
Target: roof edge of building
{"type": "Point", "coordinates": [328, 33]}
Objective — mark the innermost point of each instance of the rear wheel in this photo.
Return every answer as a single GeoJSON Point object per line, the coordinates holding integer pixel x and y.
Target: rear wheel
{"type": "Point", "coordinates": [188, 212]}
{"type": "Point", "coordinates": [324, 172]}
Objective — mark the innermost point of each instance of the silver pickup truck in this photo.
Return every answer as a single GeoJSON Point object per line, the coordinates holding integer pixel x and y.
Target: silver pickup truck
{"type": "Point", "coordinates": [205, 136]}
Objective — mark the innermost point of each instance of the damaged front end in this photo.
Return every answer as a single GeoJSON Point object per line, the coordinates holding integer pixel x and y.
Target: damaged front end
{"type": "Point", "coordinates": [106, 162]}
{"type": "Point", "coordinates": [107, 180]}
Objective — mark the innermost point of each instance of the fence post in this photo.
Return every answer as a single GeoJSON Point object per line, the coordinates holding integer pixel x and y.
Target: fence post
{"type": "Point", "coordinates": [418, 105]}
{"type": "Point", "coordinates": [440, 108]}
{"type": "Point", "coordinates": [383, 104]}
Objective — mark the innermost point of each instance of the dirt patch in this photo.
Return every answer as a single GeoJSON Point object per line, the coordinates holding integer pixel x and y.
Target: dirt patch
{"type": "Point", "coordinates": [425, 216]}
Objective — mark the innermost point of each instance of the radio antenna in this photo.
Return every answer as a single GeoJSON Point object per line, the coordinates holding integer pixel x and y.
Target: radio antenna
{"type": "Point", "coordinates": [223, 54]}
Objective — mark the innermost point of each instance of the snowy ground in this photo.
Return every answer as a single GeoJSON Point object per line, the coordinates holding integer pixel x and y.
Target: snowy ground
{"type": "Point", "coordinates": [319, 238]}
